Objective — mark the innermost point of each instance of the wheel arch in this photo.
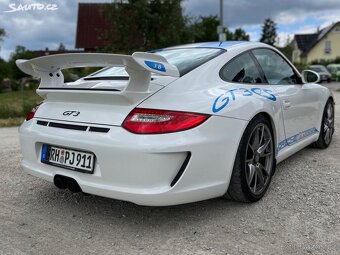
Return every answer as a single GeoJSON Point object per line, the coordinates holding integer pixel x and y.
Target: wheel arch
{"type": "Point", "coordinates": [272, 126]}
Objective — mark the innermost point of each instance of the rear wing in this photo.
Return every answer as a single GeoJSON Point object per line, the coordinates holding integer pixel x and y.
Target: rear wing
{"type": "Point", "coordinates": [139, 66]}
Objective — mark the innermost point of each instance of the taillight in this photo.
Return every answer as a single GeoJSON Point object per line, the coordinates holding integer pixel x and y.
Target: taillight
{"type": "Point", "coordinates": [149, 121]}
{"type": "Point", "coordinates": [31, 114]}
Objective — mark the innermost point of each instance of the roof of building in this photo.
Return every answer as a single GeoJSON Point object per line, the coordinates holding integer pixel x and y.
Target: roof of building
{"type": "Point", "coordinates": [89, 25]}
{"type": "Point", "coordinates": [306, 42]}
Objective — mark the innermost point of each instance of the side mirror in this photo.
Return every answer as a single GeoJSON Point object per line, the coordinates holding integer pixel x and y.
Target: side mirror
{"type": "Point", "coordinates": [309, 76]}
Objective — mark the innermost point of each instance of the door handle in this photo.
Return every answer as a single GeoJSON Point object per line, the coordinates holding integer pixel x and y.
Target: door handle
{"type": "Point", "coordinates": [286, 104]}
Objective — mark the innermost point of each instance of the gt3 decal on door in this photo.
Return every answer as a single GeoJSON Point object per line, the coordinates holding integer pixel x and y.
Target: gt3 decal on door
{"type": "Point", "coordinates": [224, 99]}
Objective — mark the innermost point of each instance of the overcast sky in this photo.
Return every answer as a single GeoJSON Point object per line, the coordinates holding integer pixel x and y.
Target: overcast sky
{"type": "Point", "coordinates": [38, 29]}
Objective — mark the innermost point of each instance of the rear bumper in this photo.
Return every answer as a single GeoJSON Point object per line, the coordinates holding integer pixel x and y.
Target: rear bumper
{"type": "Point", "coordinates": [143, 168]}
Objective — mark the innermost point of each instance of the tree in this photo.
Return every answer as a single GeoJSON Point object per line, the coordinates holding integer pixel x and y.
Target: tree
{"type": "Point", "coordinates": [240, 35]}
{"type": "Point", "coordinates": [205, 30]}
{"type": "Point", "coordinates": [144, 25]}
{"type": "Point", "coordinates": [3, 64]}
{"type": "Point", "coordinates": [288, 48]}
{"type": "Point", "coordinates": [20, 53]}
{"type": "Point", "coordinates": [268, 32]}
{"type": "Point", "coordinates": [2, 34]}
{"type": "Point", "coordinates": [61, 47]}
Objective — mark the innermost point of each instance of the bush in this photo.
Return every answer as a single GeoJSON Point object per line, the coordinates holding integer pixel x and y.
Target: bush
{"type": "Point", "coordinates": [27, 108]}
{"type": "Point", "coordinates": [325, 62]}
{"type": "Point", "coordinates": [300, 66]}
{"type": "Point", "coordinates": [17, 104]}
{"type": "Point", "coordinates": [15, 85]}
{"type": "Point", "coordinates": [6, 111]}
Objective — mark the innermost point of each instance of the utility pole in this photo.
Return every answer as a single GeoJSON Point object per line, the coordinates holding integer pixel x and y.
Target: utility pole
{"type": "Point", "coordinates": [220, 28]}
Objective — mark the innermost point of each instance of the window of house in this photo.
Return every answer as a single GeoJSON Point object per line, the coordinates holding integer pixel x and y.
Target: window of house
{"type": "Point", "coordinates": [328, 48]}
{"type": "Point", "coordinates": [241, 69]}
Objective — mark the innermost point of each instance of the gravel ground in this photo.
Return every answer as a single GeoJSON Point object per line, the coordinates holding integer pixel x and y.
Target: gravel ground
{"type": "Point", "coordinates": [300, 214]}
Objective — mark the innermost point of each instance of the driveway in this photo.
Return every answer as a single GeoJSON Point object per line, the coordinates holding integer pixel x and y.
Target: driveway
{"type": "Point", "coordinates": [300, 214]}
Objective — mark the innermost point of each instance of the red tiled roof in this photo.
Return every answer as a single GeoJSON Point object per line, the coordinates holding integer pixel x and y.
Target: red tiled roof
{"type": "Point", "coordinates": [89, 25]}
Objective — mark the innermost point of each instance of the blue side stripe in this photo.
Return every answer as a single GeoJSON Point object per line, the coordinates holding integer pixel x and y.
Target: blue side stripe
{"type": "Point", "coordinates": [296, 138]}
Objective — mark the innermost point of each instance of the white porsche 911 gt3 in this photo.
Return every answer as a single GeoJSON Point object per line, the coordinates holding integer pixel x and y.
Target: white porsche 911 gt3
{"type": "Point", "coordinates": [173, 126]}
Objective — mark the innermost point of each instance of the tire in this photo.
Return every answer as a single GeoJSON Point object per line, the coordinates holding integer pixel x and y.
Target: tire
{"type": "Point", "coordinates": [252, 172]}
{"type": "Point", "coordinates": [327, 127]}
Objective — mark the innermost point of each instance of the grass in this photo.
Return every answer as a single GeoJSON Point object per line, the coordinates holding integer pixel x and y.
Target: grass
{"type": "Point", "coordinates": [14, 106]}
{"type": "Point", "coordinates": [11, 122]}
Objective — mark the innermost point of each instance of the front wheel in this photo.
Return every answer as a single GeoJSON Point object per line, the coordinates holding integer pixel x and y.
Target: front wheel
{"type": "Point", "coordinates": [254, 164]}
{"type": "Point", "coordinates": [327, 127]}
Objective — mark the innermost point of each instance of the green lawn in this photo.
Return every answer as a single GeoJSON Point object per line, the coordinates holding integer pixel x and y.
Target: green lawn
{"type": "Point", "coordinates": [15, 105]}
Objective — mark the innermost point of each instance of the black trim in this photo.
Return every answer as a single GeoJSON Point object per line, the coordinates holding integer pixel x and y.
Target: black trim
{"type": "Point", "coordinates": [73, 127]}
{"type": "Point", "coordinates": [258, 66]}
{"type": "Point", "coordinates": [65, 88]}
{"type": "Point", "coordinates": [82, 122]}
{"type": "Point", "coordinates": [67, 126]}
{"type": "Point", "coordinates": [99, 129]}
{"type": "Point", "coordinates": [181, 170]}
{"type": "Point", "coordinates": [119, 78]}
{"type": "Point", "coordinates": [42, 123]}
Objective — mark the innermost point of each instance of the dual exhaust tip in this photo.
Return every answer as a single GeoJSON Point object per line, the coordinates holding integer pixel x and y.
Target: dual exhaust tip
{"type": "Point", "coordinates": [63, 182]}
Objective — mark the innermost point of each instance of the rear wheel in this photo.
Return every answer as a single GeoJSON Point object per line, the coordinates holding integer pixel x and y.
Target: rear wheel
{"type": "Point", "coordinates": [254, 164]}
{"type": "Point", "coordinates": [327, 127]}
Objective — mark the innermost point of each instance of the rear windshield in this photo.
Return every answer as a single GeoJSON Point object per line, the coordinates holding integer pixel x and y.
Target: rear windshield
{"type": "Point", "coordinates": [184, 59]}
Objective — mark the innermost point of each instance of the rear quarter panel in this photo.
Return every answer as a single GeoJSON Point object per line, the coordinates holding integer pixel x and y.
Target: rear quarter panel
{"type": "Point", "coordinates": [203, 91]}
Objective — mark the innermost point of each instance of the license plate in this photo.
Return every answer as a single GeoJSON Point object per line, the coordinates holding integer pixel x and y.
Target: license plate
{"type": "Point", "coordinates": [71, 159]}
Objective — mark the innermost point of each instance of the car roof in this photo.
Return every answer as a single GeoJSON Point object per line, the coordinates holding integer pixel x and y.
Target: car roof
{"type": "Point", "coordinates": [226, 45]}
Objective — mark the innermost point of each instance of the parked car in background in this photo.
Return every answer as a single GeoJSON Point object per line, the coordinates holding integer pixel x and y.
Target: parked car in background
{"type": "Point", "coordinates": [334, 69]}
{"type": "Point", "coordinates": [324, 74]}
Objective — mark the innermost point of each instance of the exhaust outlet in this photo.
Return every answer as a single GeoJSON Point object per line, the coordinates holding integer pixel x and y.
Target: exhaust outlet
{"type": "Point", "coordinates": [59, 182]}
{"type": "Point", "coordinates": [63, 182]}
{"type": "Point", "coordinates": [73, 186]}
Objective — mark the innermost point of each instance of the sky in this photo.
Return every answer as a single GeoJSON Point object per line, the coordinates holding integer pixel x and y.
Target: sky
{"type": "Point", "coordinates": [55, 23]}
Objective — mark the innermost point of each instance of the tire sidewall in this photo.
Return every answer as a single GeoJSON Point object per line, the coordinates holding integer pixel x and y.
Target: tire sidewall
{"type": "Point", "coordinates": [322, 138]}
{"type": "Point", "coordinates": [242, 157]}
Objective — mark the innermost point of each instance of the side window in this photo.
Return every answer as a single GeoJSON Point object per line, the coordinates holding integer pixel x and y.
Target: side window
{"type": "Point", "coordinates": [241, 69]}
{"type": "Point", "coordinates": [275, 68]}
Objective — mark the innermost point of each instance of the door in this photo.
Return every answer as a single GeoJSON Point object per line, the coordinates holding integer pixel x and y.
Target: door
{"type": "Point", "coordinates": [298, 101]}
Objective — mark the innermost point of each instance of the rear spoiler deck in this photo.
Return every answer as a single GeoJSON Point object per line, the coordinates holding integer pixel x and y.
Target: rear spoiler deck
{"type": "Point", "coordinates": [139, 66]}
